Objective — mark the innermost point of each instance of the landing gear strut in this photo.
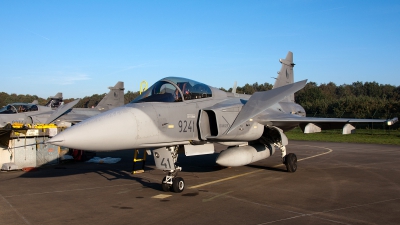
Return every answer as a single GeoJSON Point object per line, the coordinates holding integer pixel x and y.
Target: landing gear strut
{"type": "Point", "coordinates": [165, 159]}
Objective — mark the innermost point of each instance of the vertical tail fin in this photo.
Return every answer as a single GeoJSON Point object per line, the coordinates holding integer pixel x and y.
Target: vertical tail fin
{"type": "Point", "coordinates": [58, 96]}
{"type": "Point", "coordinates": [285, 75]}
{"type": "Point", "coordinates": [114, 98]}
{"type": "Point", "coordinates": [55, 101]}
{"type": "Point", "coordinates": [234, 89]}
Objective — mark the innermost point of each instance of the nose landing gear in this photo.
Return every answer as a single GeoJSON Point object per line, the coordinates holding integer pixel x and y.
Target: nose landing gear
{"type": "Point", "coordinates": [165, 159]}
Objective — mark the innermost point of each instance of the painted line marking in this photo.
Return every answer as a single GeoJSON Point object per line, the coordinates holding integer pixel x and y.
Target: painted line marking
{"type": "Point", "coordinates": [210, 199]}
{"type": "Point", "coordinates": [328, 211]}
{"type": "Point", "coordinates": [15, 210]}
{"type": "Point", "coordinates": [259, 170]}
{"type": "Point", "coordinates": [329, 151]}
{"type": "Point", "coordinates": [161, 196]}
{"type": "Point", "coordinates": [225, 179]}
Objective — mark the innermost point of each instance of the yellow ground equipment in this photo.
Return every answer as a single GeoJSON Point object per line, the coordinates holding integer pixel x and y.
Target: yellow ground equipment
{"type": "Point", "coordinates": [136, 159]}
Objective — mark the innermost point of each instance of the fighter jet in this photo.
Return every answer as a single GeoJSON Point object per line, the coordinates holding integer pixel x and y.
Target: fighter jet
{"type": "Point", "coordinates": [182, 115]}
{"type": "Point", "coordinates": [25, 113]}
{"type": "Point", "coordinates": [54, 102]}
{"type": "Point", "coordinates": [21, 112]}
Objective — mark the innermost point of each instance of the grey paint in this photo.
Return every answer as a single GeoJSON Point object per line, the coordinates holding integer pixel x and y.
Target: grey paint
{"type": "Point", "coordinates": [261, 101]}
{"type": "Point", "coordinates": [286, 75]}
{"type": "Point", "coordinates": [246, 154]}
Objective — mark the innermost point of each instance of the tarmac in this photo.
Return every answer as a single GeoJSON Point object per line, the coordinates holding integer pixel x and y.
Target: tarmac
{"type": "Point", "coordinates": [335, 183]}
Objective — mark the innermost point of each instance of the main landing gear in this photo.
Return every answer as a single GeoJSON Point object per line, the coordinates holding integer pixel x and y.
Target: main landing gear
{"type": "Point", "coordinates": [165, 159]}
{"type": "Point", "coordinates": [290, 160]}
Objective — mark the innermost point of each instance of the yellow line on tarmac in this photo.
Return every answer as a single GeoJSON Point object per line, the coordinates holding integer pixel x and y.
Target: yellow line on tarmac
{"type": "Point", "coordinates": [224, 179]}
{"type": "Point", "coordinates": [259, 170]}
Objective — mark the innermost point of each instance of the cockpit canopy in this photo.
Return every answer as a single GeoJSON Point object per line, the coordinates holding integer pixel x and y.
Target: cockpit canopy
{"type": "Point", "coordinates": [171, 89]}
{"type": "Point", "coordinates": [18, 108]}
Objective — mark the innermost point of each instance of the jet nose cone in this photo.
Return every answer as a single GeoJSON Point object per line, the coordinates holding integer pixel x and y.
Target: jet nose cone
{"type": "Point", "coordinates": [112, 130]}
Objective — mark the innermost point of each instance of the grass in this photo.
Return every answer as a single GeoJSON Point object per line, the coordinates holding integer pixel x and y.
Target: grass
{"type": "Point", "coordinates": [369, 136]}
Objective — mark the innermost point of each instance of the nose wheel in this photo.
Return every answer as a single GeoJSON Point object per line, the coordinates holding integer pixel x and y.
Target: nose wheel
{"type": "Point", "coordinates": [165, 186]}
{"type": "Point", "coordinates": [176, 184]}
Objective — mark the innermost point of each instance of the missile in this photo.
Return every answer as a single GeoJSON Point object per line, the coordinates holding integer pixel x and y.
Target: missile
{"type": "Point", "coordinates": [243, 155]}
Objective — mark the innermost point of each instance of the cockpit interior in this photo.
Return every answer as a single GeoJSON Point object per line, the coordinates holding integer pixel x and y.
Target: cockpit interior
{"type": "Point", "coordinates": [174, 89]}
{"type": "Point", "coordinates": [18, 108]}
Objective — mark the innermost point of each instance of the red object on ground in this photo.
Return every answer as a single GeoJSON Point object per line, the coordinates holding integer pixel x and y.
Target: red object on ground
{"type": "Point", "coordinates": [29, 169]}
{"type": "Point", "coordinates": [77, 154]}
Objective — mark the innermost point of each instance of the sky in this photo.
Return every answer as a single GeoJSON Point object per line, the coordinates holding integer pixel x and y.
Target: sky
{"type": "Point", "coordinates": [81, 48]}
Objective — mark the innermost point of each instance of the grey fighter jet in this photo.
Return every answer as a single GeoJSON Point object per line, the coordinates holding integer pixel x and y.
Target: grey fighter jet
{"type": "Point", "coordinates": [22, 112]}
{"type": "Point", "coordinates": [14, 108]}
{"type": "Point", "coordinates": [31, 113]}
{"type": "Point", "coordinates": [182, 115]}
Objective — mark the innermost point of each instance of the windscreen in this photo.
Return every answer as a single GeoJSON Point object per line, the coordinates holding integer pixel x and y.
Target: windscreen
{"type": "Point", "coordinates": [174, 89]}
{"type": "Point", "coordinates": [162, 91]}
{"type": "Point", "coordinates": [18, 108]}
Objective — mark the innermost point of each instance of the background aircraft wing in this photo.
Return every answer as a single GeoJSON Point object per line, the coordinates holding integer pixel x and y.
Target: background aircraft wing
{"type": "Point", "coordinates": [61, 110]}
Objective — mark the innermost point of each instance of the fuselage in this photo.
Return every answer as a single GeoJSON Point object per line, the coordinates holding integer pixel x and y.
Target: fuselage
{"type": "Point", "coordinates": [169, 116]}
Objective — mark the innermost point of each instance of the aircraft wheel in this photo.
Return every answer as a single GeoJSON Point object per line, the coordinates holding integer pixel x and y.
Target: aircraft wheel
{"type": "Point", "coordinates": [178, 185]}
{"type": "Point", "coordinates": [291, 162]}
{"type": "Point", "coordinates": [165, 187]}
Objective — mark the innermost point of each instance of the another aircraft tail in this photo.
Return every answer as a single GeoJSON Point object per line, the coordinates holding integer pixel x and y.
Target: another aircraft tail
{"type": "Point", "coordinates": [114, 98]}
{"type": "Point", "coordinates": [285, 75]}
{"type": "Point", "coordinates": [55, 101]}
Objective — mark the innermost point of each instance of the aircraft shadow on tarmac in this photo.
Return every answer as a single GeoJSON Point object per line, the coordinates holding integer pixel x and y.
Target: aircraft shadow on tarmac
{"type": "Point", "coordinates": [123, 169]}
{"type": "Point", "coordinates": [110, 172]}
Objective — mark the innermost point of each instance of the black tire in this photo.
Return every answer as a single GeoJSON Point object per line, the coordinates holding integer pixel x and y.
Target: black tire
{"type": "Point", "coordinates": [165, 187]}
{"type": "Point", "coordinates": [178, 185]}
{"type": "Point", "coordinates": [291, 162]}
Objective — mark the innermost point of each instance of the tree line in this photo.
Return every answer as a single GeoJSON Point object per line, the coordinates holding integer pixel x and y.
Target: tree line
{"type": "Point", "coordinates": [85, 102]}
{"type": "Point", "coordinates": [362, 100]}
{"type": "Point", "coordinates": [359, 99]}
{"type": "Point", "coordinates": [356, 100]}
